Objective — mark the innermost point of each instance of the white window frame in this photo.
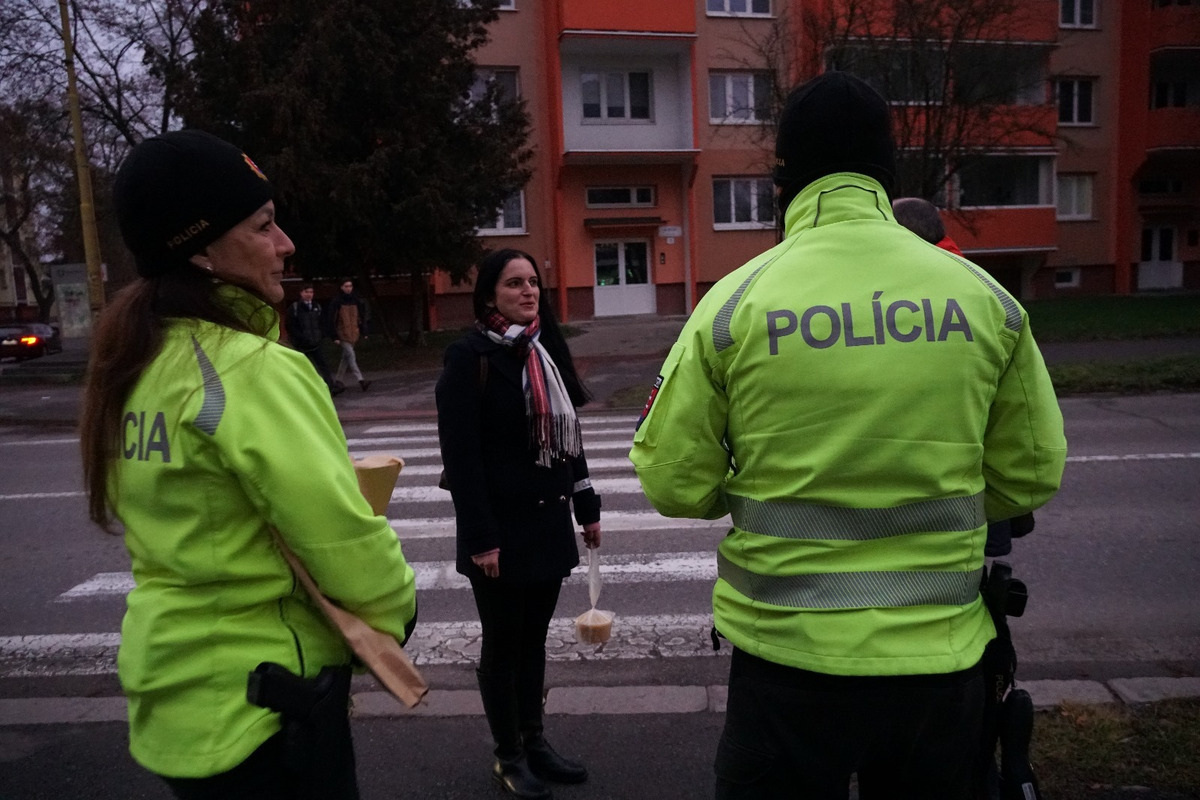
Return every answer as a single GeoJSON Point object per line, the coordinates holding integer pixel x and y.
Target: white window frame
{"type": "Point", "coordinates": [603, 78]}
{"type": "Point", "coordinates": [632, 191]}
{"type": "Point", "coordinates": [501, 226]}
{"type": "Point", "coordinates": [1045, 182]}
{"type": "Point", "coordinates": [729, 80]}
{"type": "Point", "coordinates": [736, 8]}
{"type": "Point", "coordinates": [1075, 120]}
{"type": "Point", "coordinates": [1074, 196]}
{"type": "Point", "coordinates": [1072, 279]}
{"type": "Point", "coordinates": [756, 222]}
{"type": "Point", "coordinates": [1070, 12]}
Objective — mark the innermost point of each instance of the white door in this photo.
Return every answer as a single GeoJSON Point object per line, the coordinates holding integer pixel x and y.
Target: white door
{"type": "Point", "coordinates": [1159, 268]}
{"type": "Point", "coordinates": [623, 281]}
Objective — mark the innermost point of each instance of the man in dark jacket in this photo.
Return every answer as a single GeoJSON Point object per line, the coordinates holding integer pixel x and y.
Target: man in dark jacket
{"type": "Point", "coordinates": [303, 321]}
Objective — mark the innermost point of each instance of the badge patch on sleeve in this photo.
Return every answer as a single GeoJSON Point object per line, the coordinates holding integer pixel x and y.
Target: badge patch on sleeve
{"type": "Point", "coordinates": [658, 382]}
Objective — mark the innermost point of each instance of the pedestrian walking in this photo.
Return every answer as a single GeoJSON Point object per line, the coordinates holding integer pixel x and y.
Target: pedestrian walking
{"type": "Point", "coordinates": [305, 327]}
{"type": "Point", "coordinates": [212, 443]}
{"type": "Point", "coordinates": [347, 325]}
{"type": "Point", "coordinates": [513, 453]}
{"type": "Point", "coordinates": [861, 404]}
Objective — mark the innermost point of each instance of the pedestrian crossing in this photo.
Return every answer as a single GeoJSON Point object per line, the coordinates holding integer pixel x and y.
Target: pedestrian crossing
{"type": "Point", "coordinates": [420, 511]}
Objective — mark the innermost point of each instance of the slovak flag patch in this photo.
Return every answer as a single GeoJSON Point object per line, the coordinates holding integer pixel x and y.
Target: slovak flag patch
{"type": "Point", "coordinates": [649, 402]}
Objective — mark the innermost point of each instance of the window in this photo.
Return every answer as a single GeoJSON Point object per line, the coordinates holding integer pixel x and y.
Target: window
{"type": "Point", "coordinates": [1075, 196]}
{"type": "Point", "coordinates": [743, 203]}
{"type": "Point", "coordinates": [999, 74]}
{"type": "Point", "coordinates": [1169, 94]}
{"type": "Point", "coordinates": [1004, 180]}
{"type": "Point", "coordinates": [758, 8]}
{"type": "Point", "coordinates": [616, 196]}
{"type": "Point", "coordinates": [901, 74]}
{"type": "Point", "coordinates": [1160, 185]}
{"type": "Point", "coordinates": [1066, 278]}
{"type": "Point", "coordinates": [504, 79]}
{"type": "Point", "coordinates": [616, 95]}
{"type": "Point", "coordinates": [1075, 101]}
{"type": "Point", "coordinates": [1077, 13]}
{"type": "Point", "coordinates": [510, 219]}
{"type": "Point", "coordinates": [739, 97]}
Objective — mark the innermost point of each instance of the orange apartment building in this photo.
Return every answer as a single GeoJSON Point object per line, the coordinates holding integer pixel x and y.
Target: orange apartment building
{"type": "Point", "coordinates": [652, 171]}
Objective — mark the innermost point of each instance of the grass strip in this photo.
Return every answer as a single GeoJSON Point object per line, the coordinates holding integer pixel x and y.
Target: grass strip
{"type": "Point", "coordinates": [1084, 752]}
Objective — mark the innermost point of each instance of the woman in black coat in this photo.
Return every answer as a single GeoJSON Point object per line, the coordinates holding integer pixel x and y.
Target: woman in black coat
{"type": "Point", "coordinates": [513, 454]}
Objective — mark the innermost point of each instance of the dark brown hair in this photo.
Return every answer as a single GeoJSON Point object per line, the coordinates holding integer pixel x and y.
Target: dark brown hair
{"type": "Point", "coordinates": [128, 336]}
{"type": "Point", "coordinates": [486, 278]}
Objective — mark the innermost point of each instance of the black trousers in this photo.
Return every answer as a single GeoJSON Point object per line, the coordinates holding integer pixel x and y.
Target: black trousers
{"type": "Point", "coordinates": [515, 618]}
{"type": "Point", "coordinates": [790, 733]}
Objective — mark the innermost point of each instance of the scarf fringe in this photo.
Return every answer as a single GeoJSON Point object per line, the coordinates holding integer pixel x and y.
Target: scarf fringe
{"type": "Point", "coordinates": [557, 436]}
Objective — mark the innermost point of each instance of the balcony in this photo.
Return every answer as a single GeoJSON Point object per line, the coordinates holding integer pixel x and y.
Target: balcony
{"type": "Point", "coordinates": [1171, 129]}
{"type": "Point", "coordinates": [1174, 26]}
{"type": "Point", "coordinates": [1004, 230]}
{"type": "Point", "coordinates": [626, 99]}
{"type": "Point", "coordinates": [628, 15]}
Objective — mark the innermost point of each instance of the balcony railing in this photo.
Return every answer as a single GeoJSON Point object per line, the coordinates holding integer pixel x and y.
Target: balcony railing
{"type": "Point", "coordinates": [1173, 128]}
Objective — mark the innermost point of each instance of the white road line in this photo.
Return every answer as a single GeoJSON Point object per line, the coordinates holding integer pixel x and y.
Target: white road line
{"type": "Point", "coordinates": [441, 575]}
{"type": "Point", "coordinates": [456, 642]}
{"type": "Point", "coordinates": [1135, 457]}
{"type": "Point", "coordinates": [428, 494]}
{"type": "Point", "coordinates": [585, 422]}
{"type": "Point", "coordinates": [432, 494]}
{"type": "Point", "coordinates": [32, 442]}
{"type": "Point", "coordinates": [612, 522]}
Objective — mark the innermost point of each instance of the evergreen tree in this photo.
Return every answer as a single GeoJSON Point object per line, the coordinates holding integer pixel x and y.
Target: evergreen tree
{"type": "Point", "coordinates": [361, 113]}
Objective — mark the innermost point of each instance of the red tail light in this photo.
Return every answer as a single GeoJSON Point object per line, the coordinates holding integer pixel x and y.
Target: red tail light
{"type": "Point", "coordinates": [29, 340]}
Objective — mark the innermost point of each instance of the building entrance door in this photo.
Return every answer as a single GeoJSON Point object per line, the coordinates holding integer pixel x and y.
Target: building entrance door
{"type": "Point", "coordinates": [623, 280]}
{"type": "Point", "coordinates": [1159, 267]}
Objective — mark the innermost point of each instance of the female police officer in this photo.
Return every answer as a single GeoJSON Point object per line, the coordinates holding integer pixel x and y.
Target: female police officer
{"type": "Point", "coordinates": [200, 433]}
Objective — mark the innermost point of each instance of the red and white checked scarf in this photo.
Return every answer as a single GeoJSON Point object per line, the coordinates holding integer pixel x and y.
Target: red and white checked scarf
{"type": "Point", "coordinates": [553, 426]}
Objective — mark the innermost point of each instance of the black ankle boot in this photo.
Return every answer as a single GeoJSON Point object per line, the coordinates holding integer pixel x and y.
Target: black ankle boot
{"type": "Point", "coordinates": [548, 764]}
{"type": "Point", "coordinates": [515, 777]}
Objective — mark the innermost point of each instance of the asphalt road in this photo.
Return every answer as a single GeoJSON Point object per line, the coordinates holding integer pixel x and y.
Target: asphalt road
{"type": "Point", "coordinates": [1111, 568]}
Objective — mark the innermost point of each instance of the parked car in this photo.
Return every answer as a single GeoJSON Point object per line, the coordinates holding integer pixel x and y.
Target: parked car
{"type": "Point", "coordinates": [29, 341]}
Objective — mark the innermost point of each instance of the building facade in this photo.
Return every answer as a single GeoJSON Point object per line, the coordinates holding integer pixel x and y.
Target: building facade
{"type": "Point", "coordinates": [653, 132]}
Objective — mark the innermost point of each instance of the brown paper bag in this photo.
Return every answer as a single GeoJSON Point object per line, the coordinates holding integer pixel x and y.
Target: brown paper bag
{"type": "Point", "coordinates": [380, 652]}
{"type": "Point", "coordinates": [377, 476]}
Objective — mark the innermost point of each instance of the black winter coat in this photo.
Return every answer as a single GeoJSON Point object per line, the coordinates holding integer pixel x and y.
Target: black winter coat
{"type": "Point", "coordinates": [502, 498]}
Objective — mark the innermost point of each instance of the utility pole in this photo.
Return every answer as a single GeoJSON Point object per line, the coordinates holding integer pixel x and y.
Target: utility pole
{"type": "Point", "coordinates": [87, 209]}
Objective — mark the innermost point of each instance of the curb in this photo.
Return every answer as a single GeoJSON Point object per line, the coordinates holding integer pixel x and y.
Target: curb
{"type": "Point", "coordinates": [596, 700]}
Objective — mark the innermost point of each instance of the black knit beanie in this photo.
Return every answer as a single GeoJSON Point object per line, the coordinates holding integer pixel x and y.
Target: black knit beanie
{"type": "Point", "coordinates": [833, 123]}
{"type": "Point", "coordinates": [177, 193]}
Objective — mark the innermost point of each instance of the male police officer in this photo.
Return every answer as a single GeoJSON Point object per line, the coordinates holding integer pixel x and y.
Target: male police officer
{"type": "Point", "coordinates": [861, 403]}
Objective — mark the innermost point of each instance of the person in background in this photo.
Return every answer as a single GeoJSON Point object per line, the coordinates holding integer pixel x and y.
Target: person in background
{"type": "Point", "coordinates": [206, 439]}
{"type": "Point", "coordinates": [305, 328]}
{"type": "Point", "coordinates": [923, 218]}
{"type": "Point", "coordinates": [860, 404]}
{"type": "Point", "coordinates": [513, 454]}
{"type": "Point", "coordinates": [348, 324]}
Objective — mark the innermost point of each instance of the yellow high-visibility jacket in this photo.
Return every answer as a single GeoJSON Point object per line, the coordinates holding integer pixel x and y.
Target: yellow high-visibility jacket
{"type": "Point", "coordinates": [861, 403]}
{"type": "Point", "coordinates": [226, 435]}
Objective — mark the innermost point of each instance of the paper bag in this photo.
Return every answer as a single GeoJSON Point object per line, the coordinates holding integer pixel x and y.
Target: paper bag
{"type": "Point", "coordinates": [593, 626]}
{"type": "Point", "coordinates": [377, 476]}
{"type": "Point", "coordinates": [380, 652]}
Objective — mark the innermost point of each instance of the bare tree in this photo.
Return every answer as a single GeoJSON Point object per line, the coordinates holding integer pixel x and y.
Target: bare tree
{"type": "Point", "coordinates": [965, 77]}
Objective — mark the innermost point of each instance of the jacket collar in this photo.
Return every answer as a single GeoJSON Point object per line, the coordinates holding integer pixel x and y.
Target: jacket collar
{"type": "Point", "coordinates": [248, 307]}
{"type": "Point", "coordinates": [834, 198]}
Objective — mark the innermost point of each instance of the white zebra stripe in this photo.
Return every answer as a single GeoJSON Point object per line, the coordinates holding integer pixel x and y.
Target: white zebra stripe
{"type": "Point", "coordinates": [441, 575]}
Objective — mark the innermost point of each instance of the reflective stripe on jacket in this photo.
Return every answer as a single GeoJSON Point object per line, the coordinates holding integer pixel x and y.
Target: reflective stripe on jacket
{"type": "Point", "coordinates": [861, 403]}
